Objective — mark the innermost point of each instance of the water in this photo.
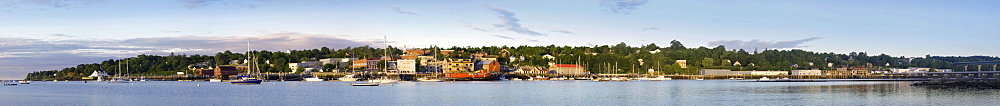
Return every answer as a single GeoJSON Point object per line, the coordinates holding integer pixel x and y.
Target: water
{"type": "Point", "coordinates": [675, 92]}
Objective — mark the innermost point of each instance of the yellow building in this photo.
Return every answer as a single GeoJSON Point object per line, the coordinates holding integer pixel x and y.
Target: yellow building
{"type": "Point", "coordinates": [459, 66]}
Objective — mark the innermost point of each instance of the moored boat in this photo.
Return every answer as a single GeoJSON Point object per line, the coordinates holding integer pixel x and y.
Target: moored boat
{"type": "Point", "coordinates": [246, 80]}
{"type": "Point", "coordinates": [429, 79]}
{"type": "Point", "coordinates": [313, 79]}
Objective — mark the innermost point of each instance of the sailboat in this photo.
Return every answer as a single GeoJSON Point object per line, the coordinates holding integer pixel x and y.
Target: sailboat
{"type": "Point", "coordinates": [28, 81]}
{"type": "Point", "coordinates": [118, 77]}
{"type": "Point", "coordinates": [385, 80]}
{"type": "Point", "coordinates": [251, 75]}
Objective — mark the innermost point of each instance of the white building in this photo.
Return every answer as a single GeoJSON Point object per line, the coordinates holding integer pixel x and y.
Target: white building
{"type": "Point", "coordinates": [911, 70]}
{"type": "Point", "coordinates": [807, 72]}
{"type": "Point", "coordinates": [308, 65]}
{"type": "Point", "coordinates": [406, 66]}
{"type": "Point", "coordinates": [99, 73]}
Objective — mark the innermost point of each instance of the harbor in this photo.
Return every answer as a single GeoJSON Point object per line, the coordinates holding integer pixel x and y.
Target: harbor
{"type": "Point", "coordinates": [566, 92]}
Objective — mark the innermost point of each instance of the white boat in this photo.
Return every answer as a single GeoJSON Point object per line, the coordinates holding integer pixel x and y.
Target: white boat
{"type": "Point", "coordinates": [364, 84]}
{"type": "Point", "coordinates": [383, 81]}
{"type": "Point", "coordinates": [313, 79]}
{"type": "Point", "coordinates": [348, 78]}
{"type": "Point", "coordinates": [642, 78]}
{"type": "Point", "coordinates": [785, 78]}
{"type": "Point", "coordinates": [428, 79]}
{"type": "Point", "coordinates": [699, 79]}
{"type": "Point", "coordinates": [214, 80]}
{"type": "Point", "coordinates": [660, 78]}
{"type": "Point", "coordinates": [765, 78]}
{"type": "Point", "coordinates": [24, 82]}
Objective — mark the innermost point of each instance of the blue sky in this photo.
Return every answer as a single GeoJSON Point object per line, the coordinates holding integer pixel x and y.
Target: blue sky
{"type": "Point", "coordinates": [54, 34]}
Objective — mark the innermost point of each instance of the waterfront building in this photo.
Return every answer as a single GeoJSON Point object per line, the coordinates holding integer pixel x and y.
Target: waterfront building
{"type": "Point", "coordinates": [311, 65]}
{"type": "Point", "coordinates": [851, 72]}
{"type": "Point", "coordinates": [209, 72]}
{"type": "Point", "coordinates": [459, 66]}
{"type": "Point", "coordinates": [715, 72]}
{"type": "Point", "coordinates": [568, 69]}
{"type": "Point", "coordinates": [487, 66]}
{"type": "Point", "coordinates": [225, 70]}
{"type": "Point", "coordinates": [911, 70]}
{"type": "Point", "coordinates": [406, 66]}
{"type": "Point", "coordinates": [768, 72]}
{"type": "Point", "coordinates": [807, 72]}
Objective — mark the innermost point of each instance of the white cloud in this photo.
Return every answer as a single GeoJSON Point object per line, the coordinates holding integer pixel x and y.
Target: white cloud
{"type": "Point", "coordinates": [505, 37]}
{"type": "Point", "coordinates": [57, 54]}
{"type": "Point", "coordinates": [60, 35]}
{"type": "Point", "coordinates": [748, 45]}
{"type": "Point", "coordinates": [650, 28]}
{"type": "Point", "coordinates": [562, 31]}
{"type": "Point", "coordinates": [623, 7]}
{"type": "Point", "coordinates": [397, 10]}
{"type": "Point", "coordinates": [510, 23]}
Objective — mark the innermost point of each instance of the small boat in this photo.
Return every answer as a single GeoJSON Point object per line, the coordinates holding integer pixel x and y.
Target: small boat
{"type": "Point", "coordinates": [5, 83]}
{"type": "Point", "coordinates": [314, 79]}
{"type": "Point", "coordinates": [660, 78]}
{"type": "Point", "coordinates": [541, 78]}
{"type": "Point", "coordinates": [383, 81]}
{"type": "Point", "coordinates": [348, 78]}
{"type": "Point", "coordinates": [364, 84]}
{"type": "Point", "coordinates": [118, 80]}
{"type": "Point", "coordinates": [642, 78]}
{"type": "Point", "coordinates": [516, 79]}
{"type": "Point", "coordinates": [24, 82]}
{"type": "Point", "coordinates": [785, 78]}
{"type": "Point", "coordinates": [765, 78]}
{"type": "Point", "coordinates": [246, 80]}
{"type": "Point", "coordinates": [428, 79]}
{"type": "Point", "coordinates": [699, 79]}
{"type": "Point", "coordinates": [214, 80]}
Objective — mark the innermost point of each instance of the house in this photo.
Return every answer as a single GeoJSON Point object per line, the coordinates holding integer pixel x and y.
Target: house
{"type": "Point", "coordinates": [99, 73]}
{"type": "Point", "coordinates": [311, 65]}
{"type": "Point", "coordinates": [567, 69]}
{"type": "Point", "coordinates": [225, 70]}
{"type": "Point", "coordinates": [807, 72]}
{"type": "Point", "coordinates": [682, 63]}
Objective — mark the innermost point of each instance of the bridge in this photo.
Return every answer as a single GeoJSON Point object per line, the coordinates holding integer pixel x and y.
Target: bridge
{"type": "Point", "coordinates": [970, 75]}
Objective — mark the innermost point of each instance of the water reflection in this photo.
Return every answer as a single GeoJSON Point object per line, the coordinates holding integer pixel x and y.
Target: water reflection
{"type": "Point", "coordinates": [676, 92]}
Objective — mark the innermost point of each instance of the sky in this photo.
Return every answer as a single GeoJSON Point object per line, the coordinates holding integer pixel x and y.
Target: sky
{"type": "Point", "coordinates": [54, 34]}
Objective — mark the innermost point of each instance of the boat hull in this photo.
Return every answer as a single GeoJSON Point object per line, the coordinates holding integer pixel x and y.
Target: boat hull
{"type": "Point", "coordinates": [364, 84]}
{"type": "Point", "coordinates": [247, 82]}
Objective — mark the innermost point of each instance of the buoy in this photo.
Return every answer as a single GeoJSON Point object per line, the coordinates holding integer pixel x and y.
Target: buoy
{"type": "Point", "coordinates": [133, 83]}
{"type": "Point", "coordinates": [199, 84]}
{"type": "Point", "coordinates": [273, 83]}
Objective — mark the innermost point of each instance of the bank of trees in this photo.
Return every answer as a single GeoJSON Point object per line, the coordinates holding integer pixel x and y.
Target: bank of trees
{"type": "Point", "coordinates": [619, 58]}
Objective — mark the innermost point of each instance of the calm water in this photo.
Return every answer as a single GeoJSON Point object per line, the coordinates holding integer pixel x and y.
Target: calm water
{"type": "Point", "coordinates": [676, 92]}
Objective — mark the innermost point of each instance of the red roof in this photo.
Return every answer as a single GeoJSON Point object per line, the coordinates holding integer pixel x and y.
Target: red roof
{"type": "Point", "coordinates": [567, 65]}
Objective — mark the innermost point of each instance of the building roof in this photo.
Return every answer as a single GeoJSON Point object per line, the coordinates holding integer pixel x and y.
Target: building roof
{"type": "Point", "coordinates": [567, 65]}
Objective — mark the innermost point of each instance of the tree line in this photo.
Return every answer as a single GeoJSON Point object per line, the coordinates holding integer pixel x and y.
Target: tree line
{"type": "Point", "coordinates": [619, 58]}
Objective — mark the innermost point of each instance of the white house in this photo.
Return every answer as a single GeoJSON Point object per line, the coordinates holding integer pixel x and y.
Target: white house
{"type": "Point", "coordinates": [99, 73]}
